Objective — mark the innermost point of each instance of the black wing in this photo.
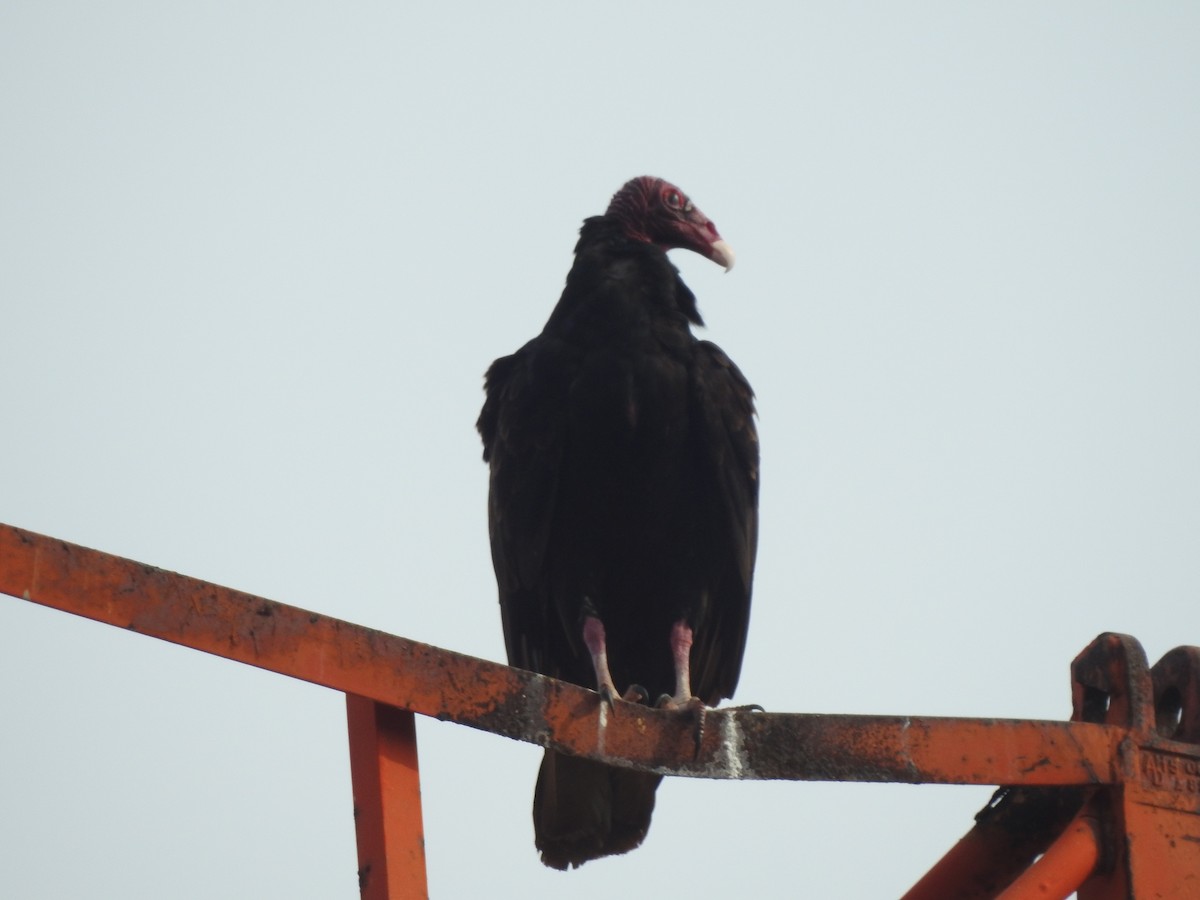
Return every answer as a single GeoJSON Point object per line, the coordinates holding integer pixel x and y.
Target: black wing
{"type": "Point", "coordinates": [523, 429]}
{"type": "Point", "coordinates": [724, 405]}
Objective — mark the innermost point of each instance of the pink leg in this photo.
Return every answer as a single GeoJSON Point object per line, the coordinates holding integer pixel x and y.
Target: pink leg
{"type": "Point", "coordinates": [681, 653]}
{"type": "Point", "coordinates": [593, 637]}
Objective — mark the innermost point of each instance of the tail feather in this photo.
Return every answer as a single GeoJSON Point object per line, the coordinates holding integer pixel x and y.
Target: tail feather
{"type": "Point", "coordinates": [584, 810]}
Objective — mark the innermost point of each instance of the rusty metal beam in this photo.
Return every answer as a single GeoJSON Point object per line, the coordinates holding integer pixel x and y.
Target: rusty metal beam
{"type": "Point", "coordinates": [1010, 833]}
{"type": "Point", "coordinates": [1066, 864]}
{"type": "Point", "coordinates": [1138, 838]}
{"type": "Point", "coordinates": [528, 707]}
{"type": "Point", "coordinates": [1126, 768]}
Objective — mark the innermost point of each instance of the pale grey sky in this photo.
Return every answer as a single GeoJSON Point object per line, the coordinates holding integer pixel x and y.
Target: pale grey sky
{"type": "Point", "coordinates": [254, 259]}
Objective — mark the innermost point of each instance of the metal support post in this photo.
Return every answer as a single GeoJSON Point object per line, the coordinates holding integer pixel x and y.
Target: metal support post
{"type": "Point", "coordinates": [387, 801]}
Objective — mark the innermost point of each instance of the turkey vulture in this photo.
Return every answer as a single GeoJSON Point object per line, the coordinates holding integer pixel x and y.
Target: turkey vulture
{"type": "Point", "coordinates": [623, 502]}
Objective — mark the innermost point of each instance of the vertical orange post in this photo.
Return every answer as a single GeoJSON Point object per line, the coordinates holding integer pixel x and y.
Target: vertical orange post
{"type": "Point", "coordinates": [387, 801]}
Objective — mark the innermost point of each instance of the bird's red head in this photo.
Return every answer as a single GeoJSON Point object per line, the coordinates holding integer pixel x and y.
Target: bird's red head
{"type": "Point", "coordinates": [657, 212]}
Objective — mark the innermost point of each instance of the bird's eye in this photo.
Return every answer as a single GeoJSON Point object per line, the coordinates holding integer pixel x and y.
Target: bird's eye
{"type": "Point", "coordinates": [673, 199]}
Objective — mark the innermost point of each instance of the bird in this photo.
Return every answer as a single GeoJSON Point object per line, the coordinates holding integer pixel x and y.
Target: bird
{"type": "Point", "coordinates": [623, 502]}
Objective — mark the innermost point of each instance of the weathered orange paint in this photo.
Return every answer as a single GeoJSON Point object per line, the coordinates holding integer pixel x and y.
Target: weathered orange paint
{"type": "Point", "coordinates": [1130, 757]}
{"type": "Point", "coordinates": [1146, 826]}
{"type": "Point", "coordinates": [976, 868]}
{"type": "Point", "coordinates": [1010, 833]}
{"type": "Point", "coordinates": [957, 874]}
{"type": "Point", "coordinates": [1152, 820]}
{"type": "Point", "coordinates": [1153, 843]}
{"type": "Point", "coordinates": [1065, 865]}
{"type": "Point", "coordinates": [387, 801]}
{"type": "Point", "coordinates": [518, 704]}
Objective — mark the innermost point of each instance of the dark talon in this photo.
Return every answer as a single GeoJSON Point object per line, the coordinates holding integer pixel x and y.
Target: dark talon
{"type": "Point", "coordinates": [749, 707]}
{"type": "Point", "coordinates": [635, 693]}
{"type": "Point", "coordinates": [606, 697]}
{"type": "Point", "coordinates": [701, 715]}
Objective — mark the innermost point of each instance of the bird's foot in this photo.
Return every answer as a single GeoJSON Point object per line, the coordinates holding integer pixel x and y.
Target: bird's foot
{"type": "Point", "coordinates": [666, 701]}
{"type": "Point", "coordinates": [635, 693]}
{"type": "Point", "coordinates": [693, 705]}
{"type": "Point", "coordinates": [608, 694]}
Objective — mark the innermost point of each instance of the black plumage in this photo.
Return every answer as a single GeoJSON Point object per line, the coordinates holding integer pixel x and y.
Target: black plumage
{"type": "Point", "coordinates": [623, 500]}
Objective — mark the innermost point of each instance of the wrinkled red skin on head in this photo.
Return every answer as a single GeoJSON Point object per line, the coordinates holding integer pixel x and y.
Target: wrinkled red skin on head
{"type": "Point", "coordinates": [647, 209]}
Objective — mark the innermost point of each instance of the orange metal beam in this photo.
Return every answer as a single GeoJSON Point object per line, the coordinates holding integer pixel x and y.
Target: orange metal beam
{"type": "Point", "coordinates": [1130, 759]}
{"type": "Point", "coordinates": [529, 707]}
{"type": "Point", "coordinates": [958, 873]}
{"type": "Point", "coordinates": [1138, 838]}
{"type": "Point", "coordinates": [387, 801]}
{"type": "Point", "coordinates": [1065, 866]}
{"type": "Point", "coordinates": [1010, 833]}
